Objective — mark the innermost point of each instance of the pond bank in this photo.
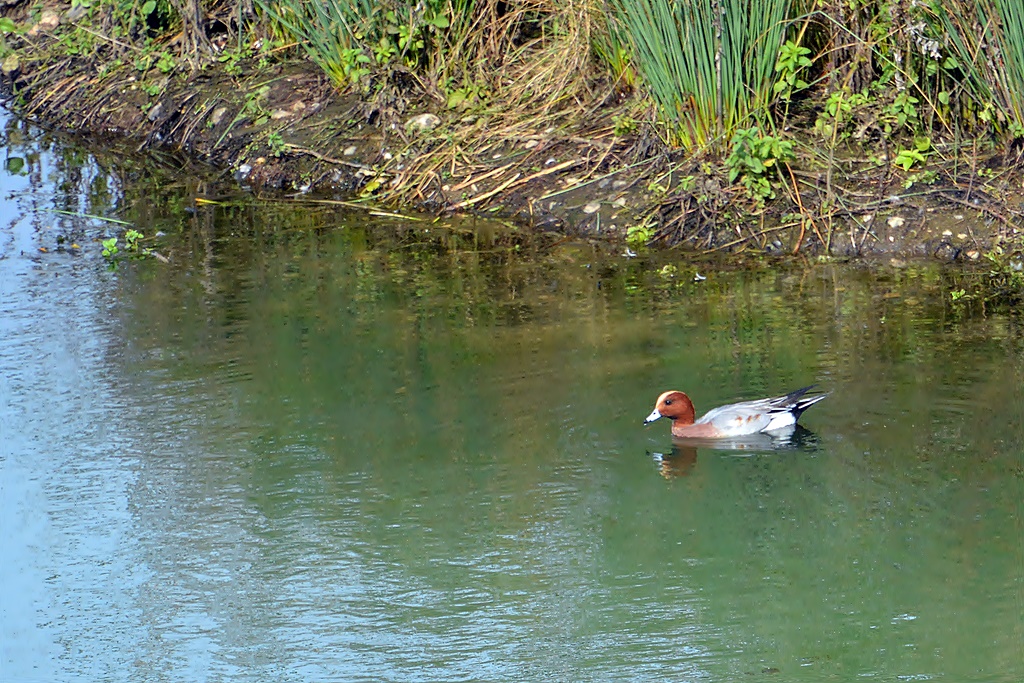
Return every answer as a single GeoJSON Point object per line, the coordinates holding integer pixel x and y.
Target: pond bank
{"type": "Point", "coordinates": [283, 127]}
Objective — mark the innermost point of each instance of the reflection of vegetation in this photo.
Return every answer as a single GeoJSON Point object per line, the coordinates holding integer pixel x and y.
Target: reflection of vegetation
{"type": "Point", "coordinates": [405, 393]}
{"type": "Point", "coordinates": [997, 283]}
{"type": "Point", "coordinates": [481, 278]}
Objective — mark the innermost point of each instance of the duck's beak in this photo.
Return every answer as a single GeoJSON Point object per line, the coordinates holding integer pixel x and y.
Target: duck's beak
{"type": "Point", "coordinates": [652, 417]}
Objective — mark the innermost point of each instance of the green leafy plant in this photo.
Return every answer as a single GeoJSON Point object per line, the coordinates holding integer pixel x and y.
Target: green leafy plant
{"type": "Point", "coordinates": [110, 247]}
{"type": "Point", "coordinates": [165, 63]}
{"type": "Point", "coordinates": [384, 51]}
{"type": "Point", "coordinates": [131, 240]}
{"type": "Point", "coordinates": [353, 65]}
{"type": "Point", "coordinates": [923, 177]}
{"type": "Point", "coordinates": [753, 161]}
{"type": "Point", "coordinates": [793, 60]}
{"type": "Point", "coordinates": [276, 143]}
{"type": "Point", "coordinates": [841, 109]}
{"type": "Point", "coordinates": [902, 112]}
{"type": "Point", "coordinates": [624, 125]}
{"type": "Point", "coordinates": [374, 182]}
{"type": "Point", "coordinates": [466, 97]}
{"type": "Point", "coordinates": [908, 158]}
{"type": "Point", "coordinates": [132, 246]}
{"type": "Point", "coordinates": [231, 61]}
{"type": "Point", "coordinates": [657, 188]}
{"type": "Point", "coordinates": [15, 166]}
{"type": "Point", "coordinates": [638, 235]}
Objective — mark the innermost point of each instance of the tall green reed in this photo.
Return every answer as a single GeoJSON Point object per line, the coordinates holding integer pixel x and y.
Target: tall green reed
{"type": "Point", "coordinates": [709, 64]}
{"type": "Point", "coordinates": [987, 38]}
{"type": "Point", "coordinates": [328, 30]}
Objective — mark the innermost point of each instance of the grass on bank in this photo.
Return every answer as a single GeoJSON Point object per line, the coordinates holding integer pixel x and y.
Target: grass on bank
{"type": "Point", "coordinates": [986, 38]}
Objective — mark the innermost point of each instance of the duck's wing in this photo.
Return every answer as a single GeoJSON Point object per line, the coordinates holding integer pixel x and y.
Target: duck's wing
{"type": "Point", "coordinates": [761, 415]}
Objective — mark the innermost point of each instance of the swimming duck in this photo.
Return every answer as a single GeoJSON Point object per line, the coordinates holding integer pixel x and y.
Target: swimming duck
{"type": "Point", "coordinates": [735, 419]}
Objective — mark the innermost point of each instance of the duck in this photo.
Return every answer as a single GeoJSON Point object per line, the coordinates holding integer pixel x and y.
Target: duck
{"type": "Point", "coordinates": [736, 419]}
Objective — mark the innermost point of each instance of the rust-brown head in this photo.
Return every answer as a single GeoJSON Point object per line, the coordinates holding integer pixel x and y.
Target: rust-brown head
{"type": "Point", "coordinates": [676, 406]}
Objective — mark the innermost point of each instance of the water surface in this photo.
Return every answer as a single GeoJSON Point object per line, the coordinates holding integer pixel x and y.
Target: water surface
{"type": "Point", "coordinates": [322, 445]}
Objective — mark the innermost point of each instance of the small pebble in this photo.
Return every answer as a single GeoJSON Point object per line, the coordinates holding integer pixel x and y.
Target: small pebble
{"type": "Point", "coordinates": [217, 115]}
{"type": "Point", "coordinates": [423, 122]}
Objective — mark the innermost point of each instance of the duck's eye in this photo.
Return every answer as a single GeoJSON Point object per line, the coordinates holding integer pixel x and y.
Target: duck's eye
{"type": "Point", "coordinates": [668, 401]}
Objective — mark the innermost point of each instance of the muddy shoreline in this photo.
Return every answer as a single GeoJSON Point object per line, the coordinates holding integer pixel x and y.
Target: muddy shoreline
{"type": "Point", "coordinates": [285, 129]}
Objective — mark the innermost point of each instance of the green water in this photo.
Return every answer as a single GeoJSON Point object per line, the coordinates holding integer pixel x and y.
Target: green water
{"type": "Point", "coordinates": [323, 446]}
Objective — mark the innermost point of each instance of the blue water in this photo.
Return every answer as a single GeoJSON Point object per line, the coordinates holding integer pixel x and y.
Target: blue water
{"type": "Point", "coordinates": [320, 446]}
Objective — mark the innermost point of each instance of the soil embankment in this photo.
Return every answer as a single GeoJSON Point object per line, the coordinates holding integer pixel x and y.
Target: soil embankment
{"type": "Point", "coordinates": [282, 126]}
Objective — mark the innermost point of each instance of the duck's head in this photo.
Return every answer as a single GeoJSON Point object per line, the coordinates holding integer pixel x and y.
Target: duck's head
{"type": "Point", "coordinates": [675, 405]}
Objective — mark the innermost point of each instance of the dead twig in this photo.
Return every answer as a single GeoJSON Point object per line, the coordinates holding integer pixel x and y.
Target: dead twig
{"type": "Point", "coordinates": [324, 157]}
{"type": "Point", "coordinates": [766, 231]}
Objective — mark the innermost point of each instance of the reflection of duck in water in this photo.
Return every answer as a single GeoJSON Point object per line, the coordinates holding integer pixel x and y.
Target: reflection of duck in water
{"type": "Point", "coordinates": [679, 463]}
{"type": "Point", "coordinates": [683, 458]}
{"type": "Point", "coordinates": [749, 418]}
